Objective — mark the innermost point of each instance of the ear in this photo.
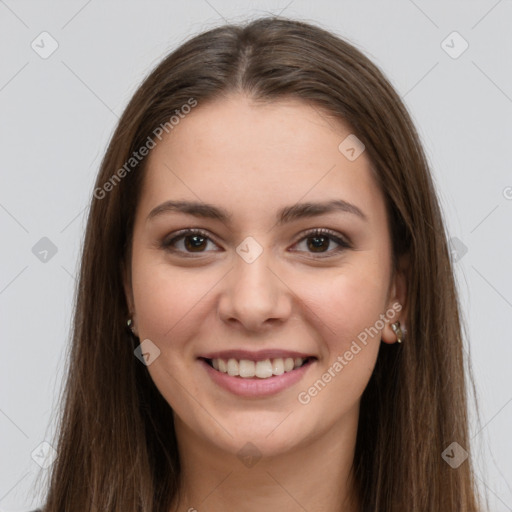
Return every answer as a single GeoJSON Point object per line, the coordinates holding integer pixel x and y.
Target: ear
{"type": "Point", "coordinates": [397, 305]}
{"type": "Point", "coordinates": [126, 274]}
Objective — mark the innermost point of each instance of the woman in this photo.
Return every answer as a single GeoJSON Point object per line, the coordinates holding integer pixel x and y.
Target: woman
{"type": "Point", "coordinates": [266, 316]}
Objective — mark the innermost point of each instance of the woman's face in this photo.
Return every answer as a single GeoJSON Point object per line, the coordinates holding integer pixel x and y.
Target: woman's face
{"type": "Point", "coordinates": [256, 289]}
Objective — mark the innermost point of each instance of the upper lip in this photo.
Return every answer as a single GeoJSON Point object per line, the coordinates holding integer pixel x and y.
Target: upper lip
{"type": "Point", "coordinates": [260, 355]}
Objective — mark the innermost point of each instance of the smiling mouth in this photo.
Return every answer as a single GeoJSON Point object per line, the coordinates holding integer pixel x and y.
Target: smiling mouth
{"type": "Point", "coordinates": [264, 369]}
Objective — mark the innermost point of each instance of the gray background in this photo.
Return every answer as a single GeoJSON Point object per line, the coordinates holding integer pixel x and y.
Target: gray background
{"type": "Point", "coordinates": [57, 115]}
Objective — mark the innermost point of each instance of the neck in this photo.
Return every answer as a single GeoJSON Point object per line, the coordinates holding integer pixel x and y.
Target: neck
{"type": "Point", "coordinates": [314, 476]}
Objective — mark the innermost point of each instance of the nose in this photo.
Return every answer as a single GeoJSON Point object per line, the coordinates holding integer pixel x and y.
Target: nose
{"type": "Point", "coordinates": [255, 298]}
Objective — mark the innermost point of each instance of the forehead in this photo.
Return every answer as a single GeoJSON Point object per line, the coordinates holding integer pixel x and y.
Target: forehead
{"type": "Point", "coordinates": [255, 157]}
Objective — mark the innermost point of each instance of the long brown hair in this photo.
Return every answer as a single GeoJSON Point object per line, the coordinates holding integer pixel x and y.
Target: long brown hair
{"type": "Point", "coordinates": [116, 445]}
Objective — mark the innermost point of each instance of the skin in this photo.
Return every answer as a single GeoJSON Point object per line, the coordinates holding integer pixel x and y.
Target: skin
{"type": "Point", "coordinates": [252, 159]}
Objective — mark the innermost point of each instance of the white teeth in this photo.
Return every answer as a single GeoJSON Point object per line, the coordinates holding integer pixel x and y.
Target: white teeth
{"type": "Point", "coordinates": [223, 367]}
{"type": "Point", "coordinates": [247, 368]}
{"type": "Point", "coordinates": [232, 367]}
{"type": "Point", "coordinates": [261, 369]}
{"type": "Point", "coordinates": [277, 366]}
{"type": "Point", "coordinates": [289, 364]}
{"type": "Point", "coordinates": [264, 369]}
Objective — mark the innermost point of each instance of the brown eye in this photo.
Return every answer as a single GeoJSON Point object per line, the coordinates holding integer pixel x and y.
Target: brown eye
{"type": "Point", "coordinates": [194, 241]}
{"type": "Point", "coordinates": [319, 240]}
{"type": "Point", "coordinates": [318, 243]}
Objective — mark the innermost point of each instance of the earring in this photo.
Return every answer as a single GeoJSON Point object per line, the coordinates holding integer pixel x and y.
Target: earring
{"type": "Point", "coordinates": [129, 323]}
{"type": "Point", "coordinates": [398, 331]}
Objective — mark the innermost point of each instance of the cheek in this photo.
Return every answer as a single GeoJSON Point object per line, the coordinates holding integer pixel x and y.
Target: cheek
{"type": "Point", "coordinates": [165, 298]}
{"type": "Point", "coordinates": [344, 309]}
{"type": "Point", "coordinates": [347, 302]}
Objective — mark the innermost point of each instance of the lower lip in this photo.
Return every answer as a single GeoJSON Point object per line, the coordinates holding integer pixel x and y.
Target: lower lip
{"type": "Point", "coordinates": [256, 387]}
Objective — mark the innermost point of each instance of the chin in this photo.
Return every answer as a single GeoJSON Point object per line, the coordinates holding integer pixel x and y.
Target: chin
{"type": "Point", "coordinates": [267, 435]}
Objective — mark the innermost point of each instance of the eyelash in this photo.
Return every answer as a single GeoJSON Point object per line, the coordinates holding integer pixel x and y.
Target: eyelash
{"type": "Point", "coordinates": [317, 232]}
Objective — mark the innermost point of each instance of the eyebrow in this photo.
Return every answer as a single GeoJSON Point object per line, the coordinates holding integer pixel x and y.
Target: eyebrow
{"type": "Point", "coordinates": [284, 215]}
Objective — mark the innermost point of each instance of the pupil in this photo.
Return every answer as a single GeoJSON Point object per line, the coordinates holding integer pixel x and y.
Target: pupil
{"type": "Point", "coordinates": [195, 244]}
{"type": "Point", "coordinates": [318, 245]}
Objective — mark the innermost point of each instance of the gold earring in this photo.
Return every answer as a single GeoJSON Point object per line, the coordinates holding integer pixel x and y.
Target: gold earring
{"type": "Point", "coordinates": [398, 331]}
